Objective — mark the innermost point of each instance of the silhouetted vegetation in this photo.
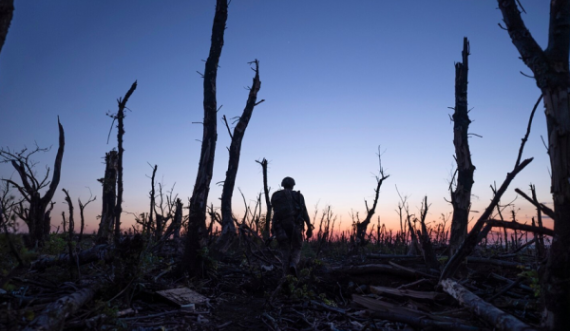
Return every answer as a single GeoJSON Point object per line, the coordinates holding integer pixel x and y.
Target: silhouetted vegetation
{"type": "Point", "coordinates": [200, 269]}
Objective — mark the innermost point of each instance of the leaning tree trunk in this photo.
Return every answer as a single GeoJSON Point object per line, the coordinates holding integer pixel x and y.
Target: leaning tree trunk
{"type": "Point", "coordinates": [109, 182]}
{"type": "Point", "coordinates": [550, 68]}
{"type": "Point", "coordinates": [6, 14]}
{"type": "Point", "coordinates": [228, 226]}
{"type": "Point", "coordinates": [197, 234]}
{"type": "Point", "coordinates": [461, 197]}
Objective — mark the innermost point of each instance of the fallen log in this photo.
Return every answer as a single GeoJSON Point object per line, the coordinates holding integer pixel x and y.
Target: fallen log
{"type": "Point", "coordinates": [500, 263]}
{"type": "Point", "coordinates": [522, 227]}
{"type": "Point", "coordinates": [54, 315]}
{"type": "Point", "coordinates": [392, 257]}
{"type": "Point", "coordinates": [375, 269]}
{"type": "Point", "coordinates": [417, 319]}
{"type": "Point", "coordinates": [398, 292]}
{"type": "Point", "coordinates": [99, 252]}
{"type": "Point", "coordinates": [493, 315]}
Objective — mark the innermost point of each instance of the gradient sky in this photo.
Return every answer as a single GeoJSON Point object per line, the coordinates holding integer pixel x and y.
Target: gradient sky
{"type": "Point", "coordinates": [339, 78]}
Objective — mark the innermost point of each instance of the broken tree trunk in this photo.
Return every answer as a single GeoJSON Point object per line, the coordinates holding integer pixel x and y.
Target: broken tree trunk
{"type": "Point", "coordinates": [120, 133]}
{"type": "Point", "coordinates": [473, 237]}
{"type": "Point", "coordinates": [109, 182]}
{"type": "Point", "coordinates": [228, 227]}
{"type": "Point", "coordinates": [35, 215]}
{"type": "Point", "coordinates": [552, 74]}
{"type": "Point", "coordinates": [461, 197]}
{"type": "Point", "coordinates": [266, 227]}
{"type": "Point", "coordinates": [494, 316]}
{"type": "Point", "coordinates": [6, 14]}
{"type": "Point", "coordinates": [429, 254]}
{"type": "Point", "coordinates": [197, 233]}
{"type": "Point", "coordinates": [152, 207]}
{"type": "Point", "coordinates": [101, 252]}
{"type": "Point", "coordinates": [361, 227]}
{"type": "Point", "coordinates": [54, 315]}
{"type": "Point", "coordinates": [523, 227]}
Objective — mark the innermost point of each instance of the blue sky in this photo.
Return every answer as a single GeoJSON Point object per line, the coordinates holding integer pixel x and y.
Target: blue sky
{"type": "Point", "coordinates": [339, 78]}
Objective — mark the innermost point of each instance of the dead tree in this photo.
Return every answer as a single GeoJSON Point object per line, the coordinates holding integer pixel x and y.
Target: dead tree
{"type": "Point", "coordinates": [428, 251]}
{"type": "Point", "coordinates": [228, 226]}
{"type": "Point", "coordinates": [109, 182]}
{"type": "Point", "coordinates": [266, 228]}
{"type": "Point", "coordinates": [461, 196]}
{"type": "Point", "coordinates": [81, 209]}
{"type": "Point", "coordinates": [120, 116]}
{"type": "Point", "coordinates": [71, 231]}
{"type": "Point", "coordinates": [474, 235]}
{"type": "Point", "coordinates": [6, 13]}
{"type": "Point", "coordinates": [35, 215]}
{"type": "Point", "coordinates": [551, 71]}
{"type": "Point", "coordinates": [152, 202]}
{"type": "Point", "coordinates": [197, 234]}
{"type": "Point", "coordinates": [362, 226]}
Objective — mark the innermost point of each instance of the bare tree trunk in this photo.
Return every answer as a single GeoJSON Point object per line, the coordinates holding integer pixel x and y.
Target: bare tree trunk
{"type": "Point", "coordinates": [35, 216]}
{"type": "Point", "coordinates": [266, 228]}
{"type": "Point", "coordinates": [71, 232]}
{"type": "Point", "coordinates": [177, 221]}
{"type": "Point", "coordinates": [54, 315]}
{"type": "Point", "coordinates": [197, 235]}
{"type": "Point", "coordinates": [461, 197]}
{"type": "Point", "coordinates": [361, 227]}
{"type": "Point", "coordinates": [228, 226]}
{"type": "Point", "coordinates": [121, 131]}
{"type": "Point", "coordinates": [429, 254]}
{"type": "Point", "coordinates": [6, 13]}
{"type": "Point", "coordinates": [152, 205]}
{"type": "Point", "coordinates": [493, 315]}
{"type": "Point", "coordinates": [81, 209]}
{"type": "Point", "coordinates": [551, 70]}
{"type": "Point", "coordinates": [109, 198]}
{"type": "Point", "coordinates": [540, 241]}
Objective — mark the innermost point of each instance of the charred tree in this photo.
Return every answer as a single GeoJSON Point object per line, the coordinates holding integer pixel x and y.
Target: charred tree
{"type": "Point", "coordinates": [109, 182]}
{"type": "Point", "coordinates": [461, 197]}
{"type": "Point", "coordinates": [197, 234]}
{"type": "Point", "coordinates": [228, 226]}
{"type": "Point", "coordinates": [430, 257]}
{"type": "Point", "coordinates": [361, 227]}
{"type": "Point", "coordinates": [551, 71]}
{"type": "Point", "coordinates": [152, 203]}
{"type": "Point", "coordinates": [81, 209]}
{"type": "Point", "coordinates": [474, 235]}
{"type": "Point", "coordinates": [70, 233]}
{"type": "Point", "coordinates": [6, 14]}
{"type": "Point", "coordinates": [120, 116]}
{"type": "Point", "coordinates": [35, 215]}
{"type": "Point", "coordinates": [266, 227]}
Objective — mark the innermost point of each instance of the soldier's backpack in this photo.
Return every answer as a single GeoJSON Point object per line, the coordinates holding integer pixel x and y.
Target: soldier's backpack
{"type": "Point", "coordinates": [286, 204]}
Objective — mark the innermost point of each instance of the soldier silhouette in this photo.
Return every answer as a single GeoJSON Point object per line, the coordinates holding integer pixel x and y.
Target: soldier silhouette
{"type": "Point", "coordinates": [289, 217]}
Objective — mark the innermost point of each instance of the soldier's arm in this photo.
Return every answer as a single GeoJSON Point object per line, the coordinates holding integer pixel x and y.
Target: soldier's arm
{"type": "Point", "coordinates": [305, 212]}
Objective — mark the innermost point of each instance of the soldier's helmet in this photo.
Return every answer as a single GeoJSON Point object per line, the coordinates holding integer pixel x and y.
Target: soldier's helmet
{"type": "Point", "coordinates": [288, 182]}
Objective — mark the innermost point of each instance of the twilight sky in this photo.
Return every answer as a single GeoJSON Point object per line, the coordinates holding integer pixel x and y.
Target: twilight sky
{"type": "Point", "coordinates": [339, 78]}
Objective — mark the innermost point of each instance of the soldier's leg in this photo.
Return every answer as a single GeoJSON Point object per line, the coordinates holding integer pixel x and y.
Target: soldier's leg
{"type": "Point", "coordinates": [296, 245]}
{"type": "Point", "coordinates": [284, 246]}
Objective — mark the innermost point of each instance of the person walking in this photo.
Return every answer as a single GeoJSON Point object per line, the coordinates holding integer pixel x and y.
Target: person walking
{"type": "Point", "coordinates": [289, 217]}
